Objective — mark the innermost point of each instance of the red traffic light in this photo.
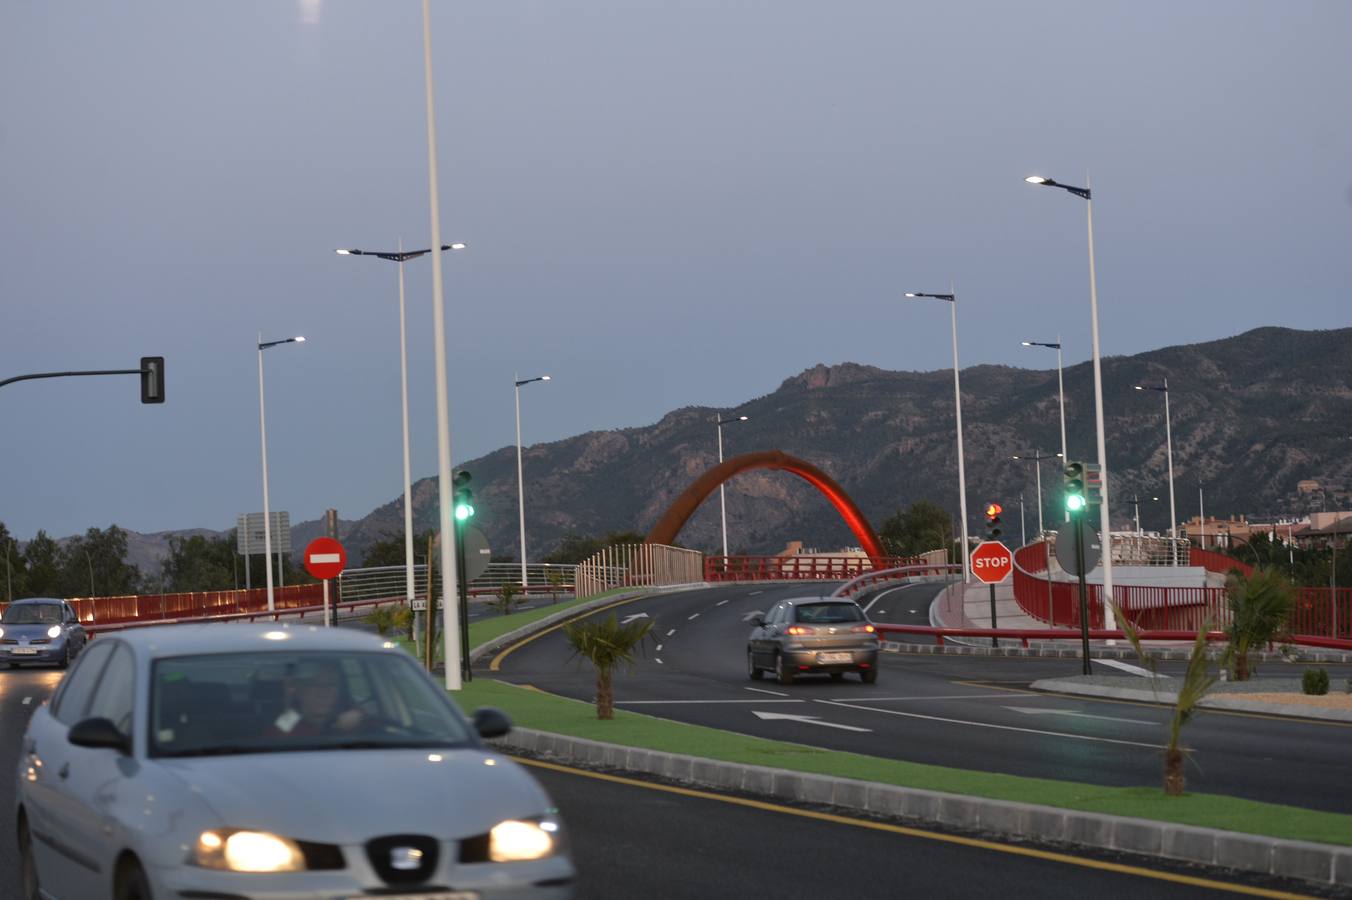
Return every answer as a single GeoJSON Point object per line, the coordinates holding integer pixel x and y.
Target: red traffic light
{"type": "Point", "coordinates": [993, 510]}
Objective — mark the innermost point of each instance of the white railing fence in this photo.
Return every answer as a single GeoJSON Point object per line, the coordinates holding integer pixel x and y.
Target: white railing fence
{"type": "Point", "coordinates": [389, 581]}
{"type": "Point", "coordinates": [638, 565]}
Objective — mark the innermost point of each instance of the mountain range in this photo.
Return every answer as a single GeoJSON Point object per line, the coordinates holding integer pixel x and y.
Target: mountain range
{"type": "Point", "coordinates": [1251, 416]}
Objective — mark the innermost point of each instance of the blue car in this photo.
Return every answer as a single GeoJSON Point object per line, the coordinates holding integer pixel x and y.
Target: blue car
{"type": "Point", "coordinates": [40, 630]}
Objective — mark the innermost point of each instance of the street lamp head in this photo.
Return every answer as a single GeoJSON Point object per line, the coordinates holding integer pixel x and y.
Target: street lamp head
{"type": "Point", "coordinates": [299, 339]}
{"type": "Point", "coordinates": [741, 418]}
{"type": "Point", "coordinates": [1038, 179]}
{"type": "Point", "coordinates": [456, 246]}
{"type": "Point", "coordinates": [912, 295]}
{"type": "Point", "coordinates": [342, 252]}
{"type": "Point", "coordinates": [544, 377]}
{"type": "Point", "coordinates": [1138, 387]}
{"type": "Point", "coordinates": [1027, 343]}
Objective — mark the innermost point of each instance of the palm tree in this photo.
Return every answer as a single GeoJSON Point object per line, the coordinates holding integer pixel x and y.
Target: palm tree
{"type": "Point", "coordinates": [1197, 680]}
{"type": "Point", "coordinates": [606, 644]}
{"type": "Point", "coordinates": [1259, 606]}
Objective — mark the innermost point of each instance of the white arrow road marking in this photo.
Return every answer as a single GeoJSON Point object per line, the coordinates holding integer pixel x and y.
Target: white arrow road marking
{"type": "Point", "coordinates": [881, 594]}
{"type": "Point", "coordinates": [751, 615]}
{"type": "Point", "coordinates": [1126, 667]}
{"type": "Point", "coordinates": [627, 619]}
{"type": "Point", "coordinates": [1075, 737]}
{"type": "Point", "coordinates": [1031, 711]}
{"type": "Point", "coordinates": [764, 691]}
{"type": "Point", "coordinates": [807, 720]}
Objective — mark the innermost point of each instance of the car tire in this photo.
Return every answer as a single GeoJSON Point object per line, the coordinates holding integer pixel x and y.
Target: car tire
{"type": "Point", "coordinates": [782, 674]}
{"type": "Point", "coordinates": [752, 670]}
{"type": "Point", "coordinates": [65, 659]}
{"type": "Point", "coordinates": [868, 676]}
{"type": "Point", "coordinates": [28, 869]}
{"type": "Point", "coordinates": [132, 883]}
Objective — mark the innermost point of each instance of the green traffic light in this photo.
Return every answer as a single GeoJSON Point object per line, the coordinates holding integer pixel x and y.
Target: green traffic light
{"type": "Point", "coordinates": [1074, 502]}
{"type": "Point", "coordinates": [463, 511]}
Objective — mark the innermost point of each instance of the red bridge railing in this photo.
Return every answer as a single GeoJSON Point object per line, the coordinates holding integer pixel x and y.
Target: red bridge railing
{"type": "Point", "coordinates": [794, 568]}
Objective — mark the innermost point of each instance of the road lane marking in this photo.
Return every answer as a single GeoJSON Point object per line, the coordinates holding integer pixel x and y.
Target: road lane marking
{"type": "Point", "coordinates": [872, 699]}
{"type": "Point", "coordinates": [661, 702]}
{"type": "Point", "coordinates": [764, 691]}
{"type": "Point", "coordinates": [671, 632]}
{"type": "Point", "coordinates": [881, 594]}
{"type": "Point", "coordinates": [720, 603]}
{"type": "Point", "coordinates": [659, 662]}
{"type": "Point", "coordinates": [754, 593]}
{"type": "Point", "coordinates": [627, 619]}
{"type": "Point", "coordinates": [883, 612]}
{"type": "Point", "coordinates": [692, 618]}
{"type": "Point", "coordinates": [1028, 711]}
{"type": "Point", "coordinates": [659, 648]}
{"type": "Point", "coordinates": [496, 664]}
{"type": "Point", "coordinates": [911, 831]}
{"type": "Point", "coordinates": [1126, 667]}
{"type": "Point", "coordinates": [751, 615]}
{"type": "Point", "coordinates": [805, 720]}
{"type": "Point", "coordinates": [911, 715]}
{"type": "Point", "coordinates": [27, 700]}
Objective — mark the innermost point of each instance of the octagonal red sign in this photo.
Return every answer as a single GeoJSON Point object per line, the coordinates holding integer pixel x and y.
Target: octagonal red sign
{"type": "Point", "coordinates": [325, 558]}
{"type": "Point", "coordinates": [992, 562]}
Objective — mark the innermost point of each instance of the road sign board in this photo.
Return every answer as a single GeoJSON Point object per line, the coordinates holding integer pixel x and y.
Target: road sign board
{"type": "Point", "coordinates": [325, 558]}
{"type": "Point", "coordinates": [249, 533]}
{"type": "Point", "coordinates": [1065, 546]}
{"type": "Point", "coordinates": [992, 562]}
{"type": "Point", "coordinates": [477, 553]}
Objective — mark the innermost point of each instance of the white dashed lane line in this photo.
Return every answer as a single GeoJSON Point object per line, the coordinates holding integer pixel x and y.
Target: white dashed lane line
{"type": "Point", "coordinates": [771, 693]}
{"type": "Point", "coordinates": [27, 700]}
{"type": "Point", "coordinates": [659, 648]}
{"type": "Point", "coordinates": [720, 603]}
{"type": "Point", "coordinates": [692, 618]}
{"type": "Point", "coordinates": [671, 632]}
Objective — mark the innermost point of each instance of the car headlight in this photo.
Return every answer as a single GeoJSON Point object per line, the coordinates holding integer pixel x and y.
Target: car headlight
{"type": "Point", "coordinates": [247, 851]}
{"type": "Point", "coordinates": [517, 841]}
{"type": "Point", "coordinates": [2, 632]}
{"type": "Point", "coordinates": [54, 631]}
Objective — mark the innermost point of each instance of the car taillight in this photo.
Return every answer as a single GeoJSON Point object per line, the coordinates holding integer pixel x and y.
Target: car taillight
{"type": "Point", "coordinates": [798, 629]}
{"type": "Point", "coordinates": [861, 629]}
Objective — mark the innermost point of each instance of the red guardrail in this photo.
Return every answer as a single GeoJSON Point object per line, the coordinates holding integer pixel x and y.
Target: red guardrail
{"type": "Point", "coordinates": [299, 612]}
{"type": "Point", "coordinates": [794, 568]}
{"type": "Point", "coordinates": [869, 579]}
{"type": "Point", "coordinates": [1095, 634]}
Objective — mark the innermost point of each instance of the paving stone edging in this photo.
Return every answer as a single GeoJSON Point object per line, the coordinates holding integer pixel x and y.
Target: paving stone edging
{"type": "Point", "coordinates": [1323, 864]}
{"type": "Point", "coordinates": [1212, 701]}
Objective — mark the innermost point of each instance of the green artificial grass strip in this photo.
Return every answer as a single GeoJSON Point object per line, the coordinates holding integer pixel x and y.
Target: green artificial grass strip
{"type": "Point", "coordinates": [546, 712]}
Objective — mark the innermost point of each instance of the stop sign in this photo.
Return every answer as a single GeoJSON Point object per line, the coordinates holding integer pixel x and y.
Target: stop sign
{"type": "Point", "coordinates": [992, 562]}
{"type": "Point", "coordinates": [325, 558]}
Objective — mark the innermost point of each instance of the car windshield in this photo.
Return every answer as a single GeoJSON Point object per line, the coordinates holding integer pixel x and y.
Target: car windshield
{"type": "Point", "coordinates": [270, 702]}
{"type": "Point", "coordinates": [830, 612]}
{"type": "Point", "coordinates": [32, 614]}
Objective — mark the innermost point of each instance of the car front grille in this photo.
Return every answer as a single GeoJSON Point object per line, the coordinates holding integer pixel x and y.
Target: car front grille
{"type": "Point", "coordinates": [402, 859]}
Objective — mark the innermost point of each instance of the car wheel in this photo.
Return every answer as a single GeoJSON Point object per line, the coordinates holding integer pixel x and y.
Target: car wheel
{"type": "Point", "coordinates": [28, 870]}
{"type": "Point", "coordinates": [752, 670]}
{"type": "Point", "coordinates": [132, 883]}
{"type": "Point", "coordinates": [65, 659]}
{"type": "Point", "coordinates": [782, 673]}
{"type": "Point", "coordinates": [868, 676]}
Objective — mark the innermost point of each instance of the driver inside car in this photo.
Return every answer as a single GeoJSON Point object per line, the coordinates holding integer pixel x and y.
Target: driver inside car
{"type": "Point", "coordinates": [314, 703]}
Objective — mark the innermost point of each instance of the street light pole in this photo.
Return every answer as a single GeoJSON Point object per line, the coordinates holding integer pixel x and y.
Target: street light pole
{"type": "Point", "coordinates": [1036, 459]}
{"type": "Point", "coordinates": [1105, 519]}
{"type": "Point", "coordinates": [1061, 391]}
{"type": "Point", "coordinates": [1169, 450]}
{"type": "Point", "coordinates": [952, 299]}
{"type": "Point", "coordinates": [90, 562]}
{"type": "Point", "coordinates": [401, 256]}
{"type": "Point", "coordinates": [263, 434]}
{"type": "Point", "coordinates": [722, 500]}
{"type": "Point", "coordinates": [520, 481]}
{"type": "Point", "coordinates": [451, 623]}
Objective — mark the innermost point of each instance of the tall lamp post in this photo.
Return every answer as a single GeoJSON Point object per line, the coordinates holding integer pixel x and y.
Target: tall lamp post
{"type": "Point", "coordinates": [1036, 459]}
{"type": "Point", "coordinates": [520, 481]}
{"type": "Point", "coordinates": [1169, 450]}
{"type": "Point", "coordinates": [263, 432]}
{"type": "Point", "coordinates": [402, 256]}
{"type": "Point", "coordinates": [722, 500]}
{"type": "Point", "coordinates": [1105, 520]}
{"type": "Point", "coordinates": [952, 300]}
{"type": "Point", "coordinates": [1061, 390]}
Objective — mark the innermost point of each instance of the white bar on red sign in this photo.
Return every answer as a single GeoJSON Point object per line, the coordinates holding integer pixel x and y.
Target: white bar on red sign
{"type": "Point", "coordinates": [324, 558]}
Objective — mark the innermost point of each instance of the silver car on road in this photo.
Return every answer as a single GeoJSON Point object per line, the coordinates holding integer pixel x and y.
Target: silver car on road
{"type": "Point", "coordinates": [40, 630]}
{"type": "Point", "coordinates": [273, 762]}
{"type": "Point", "coordinates": [813, 634]}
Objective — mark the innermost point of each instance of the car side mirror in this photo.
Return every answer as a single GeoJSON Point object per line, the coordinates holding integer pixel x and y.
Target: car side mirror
{"type": "Point", "coordinates": [491, 723]}
{"type": "Point", "coordinates": [758, 621]}
{"type": "Point", "coordinates": [99, 733]}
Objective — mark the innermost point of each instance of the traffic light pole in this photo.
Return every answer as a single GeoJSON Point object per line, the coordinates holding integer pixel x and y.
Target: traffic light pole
{"type": "Point", "coordinates": [995, 641]}
{"type": "Point", "coordinates": [1078, 518]}
{"type": "Point", "coordinates": [462, 608]}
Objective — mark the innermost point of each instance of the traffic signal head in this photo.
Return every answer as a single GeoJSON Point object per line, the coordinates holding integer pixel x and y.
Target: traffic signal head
{"type": "Point", "coordinates": [1073, 486]}
{"type": "Point", "coordinates": [464, 497]}
{"type": "Point", "coordinates": [152, 379]}
{"type": "Point", "coordinates": [993, 511]}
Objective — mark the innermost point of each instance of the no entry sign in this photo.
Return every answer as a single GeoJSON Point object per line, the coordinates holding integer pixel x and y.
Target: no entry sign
{"type": "Point", "coordinates": [325, 558]}
{"type": "Point", "coordinates": [992, 562]}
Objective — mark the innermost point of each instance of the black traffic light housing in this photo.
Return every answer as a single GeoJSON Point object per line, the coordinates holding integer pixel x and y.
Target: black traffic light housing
{"type": "Point", "coordinates": [152, 379]}
{"type": "Point", "coordinates": [1073, 487]}
{"type": "Point", "coordinates": [463, 503]}
{"type": "Point", "coordinates": [993, 511]}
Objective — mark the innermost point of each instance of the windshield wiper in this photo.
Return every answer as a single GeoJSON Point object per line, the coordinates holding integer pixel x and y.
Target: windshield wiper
{"type": "Point", "coordinates": [227, 750]}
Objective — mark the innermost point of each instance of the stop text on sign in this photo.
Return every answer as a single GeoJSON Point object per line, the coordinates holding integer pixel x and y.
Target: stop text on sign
{"type": "Point", "coordinates": [992, 562]}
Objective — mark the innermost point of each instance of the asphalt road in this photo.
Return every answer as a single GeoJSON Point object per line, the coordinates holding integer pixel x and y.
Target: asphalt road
{"type": "Point", "coordinates": [966, 712]}
{"type": "Point", "coordinates": [633, 840]}
{"type": "Point", "coordinates": [21, 691]}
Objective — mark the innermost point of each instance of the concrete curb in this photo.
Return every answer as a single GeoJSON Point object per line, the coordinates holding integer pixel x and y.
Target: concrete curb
{"type": "Point", "coordinates": [1216, 701]}
{"type": "Point", "coordinates": [562, 615]}
{"type": "Point", "coordinates": [1318, 863]}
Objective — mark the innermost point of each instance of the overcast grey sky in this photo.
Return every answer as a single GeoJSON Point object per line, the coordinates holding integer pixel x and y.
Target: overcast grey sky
{"type": "Point", "coordinates": [667, 203]}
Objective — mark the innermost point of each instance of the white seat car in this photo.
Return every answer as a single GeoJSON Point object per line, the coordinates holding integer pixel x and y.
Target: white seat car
{"type": "Point", "coordinates": [234, 761]}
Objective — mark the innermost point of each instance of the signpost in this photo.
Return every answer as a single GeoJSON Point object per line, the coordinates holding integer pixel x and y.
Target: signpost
{"type": "Point", "coordinates": [249, 538]}
{"type": "Point", "coordinates": [1078, 549]}
{"type": "Point", "coordinates": [325, 559]}
{"type": "Point", "coordinates": [991, 564]}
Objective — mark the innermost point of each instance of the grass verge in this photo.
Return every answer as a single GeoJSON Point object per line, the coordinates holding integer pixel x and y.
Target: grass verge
{"type": "Point", "coordinates": [547, 712]}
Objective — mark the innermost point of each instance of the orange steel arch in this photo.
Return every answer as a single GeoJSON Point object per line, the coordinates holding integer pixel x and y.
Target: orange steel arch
{"type": "Point", "coordinates": [670, 525]}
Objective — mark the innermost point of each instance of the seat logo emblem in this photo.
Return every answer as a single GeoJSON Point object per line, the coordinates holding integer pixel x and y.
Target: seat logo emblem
{"type": "Point", "coordinates": [405, 859]}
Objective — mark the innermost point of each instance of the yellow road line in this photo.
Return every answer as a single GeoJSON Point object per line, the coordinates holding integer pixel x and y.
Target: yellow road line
{"type": "Point", "coordinates": [496, 664]}
{"type": "Point", "coordinates": [1068, 859]}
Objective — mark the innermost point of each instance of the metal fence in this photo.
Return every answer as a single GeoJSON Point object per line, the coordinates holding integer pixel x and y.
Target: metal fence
{"type": "Point", "coordinates": [794, 568]}
{"type": "Point", "coordinates": [389, 581]}
{"type": "Point", "coordinates": [638, 565]}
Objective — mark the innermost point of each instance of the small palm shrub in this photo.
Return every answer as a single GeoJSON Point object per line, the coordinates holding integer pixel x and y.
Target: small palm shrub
{"type": "Point", "coordinates": [382, 617]}
{"type": "Point", "coordinates": [1259, 606]}
{"type": "Point", "coordinates": [1315, 681]}
{"type": "Point", "coordinates": [607, 645]}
